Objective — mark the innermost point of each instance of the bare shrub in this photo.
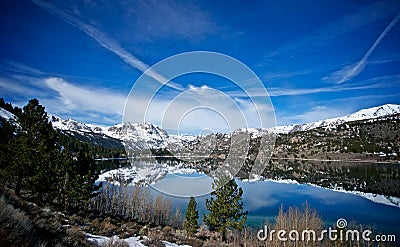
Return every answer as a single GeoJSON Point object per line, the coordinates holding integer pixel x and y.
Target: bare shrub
{"type": "Point", "coordinates": [115, 242]}
{"type": "Point", "coordinates": [75, 237]}
{"type": "Point", "coordinates": [15, 226]}
{"type": "Point", "coordinates": [294, 218]}
{"type": "Point", "coordinates": [298, 219]}
{"type": "Point", "coordinates": [136, 204]}
{"type": "Point", "coordinates": [103, 227]}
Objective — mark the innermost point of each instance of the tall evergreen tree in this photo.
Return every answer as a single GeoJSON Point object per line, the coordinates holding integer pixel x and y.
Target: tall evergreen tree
{"type": "Point", "coordinates": [80, 179]}
{"type": "Point", "coordinates": [39, 164]}
{"type": "Point", "coordinates": [33, 149]}
{"type": "Point", "coordinates": [6, 134]}
{"type": "Point", "coordinates": [192, 215]}
{"type": "Point", "coordinates": [225, 206]}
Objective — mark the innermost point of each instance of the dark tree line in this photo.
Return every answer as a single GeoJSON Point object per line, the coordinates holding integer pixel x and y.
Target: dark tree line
{"type": "Point", "coordinates": [38, 164]}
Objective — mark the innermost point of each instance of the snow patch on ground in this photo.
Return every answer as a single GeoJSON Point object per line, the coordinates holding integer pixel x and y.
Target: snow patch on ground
{"type": "Point", "coordinates": [132, 241]}
{"type": "Point", "coordinates": [99, 240]}
{"type": "Point", "coordinates": [168, 244]}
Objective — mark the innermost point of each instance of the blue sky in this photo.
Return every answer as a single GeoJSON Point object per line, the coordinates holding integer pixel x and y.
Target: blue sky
{"type": "Point", "coordinates": [317, 59]}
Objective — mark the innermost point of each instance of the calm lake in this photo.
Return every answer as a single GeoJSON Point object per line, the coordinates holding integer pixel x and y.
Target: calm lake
{"type": "Point", "coordinates": [262, 199]}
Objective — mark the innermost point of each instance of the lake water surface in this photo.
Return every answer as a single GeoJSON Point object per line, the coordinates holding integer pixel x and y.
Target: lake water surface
{"type": "Point", "coordinates": [262, 199]}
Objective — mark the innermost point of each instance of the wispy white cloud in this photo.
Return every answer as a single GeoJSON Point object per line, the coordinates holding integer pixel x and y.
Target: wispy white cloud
{"type": "Point", "coordinates": [293, 92]}
{"type": "Point", "coordinates": [377, 82]}
{"type": "Point", "coordinates": [65, 99]}
{"type": "Point", "coordinates": [196, 109]}
{"type": "Point", "coordinates": [25, 73]}
{"type": "Point", "coordinates": [364, 16]}
{"type": "Point", "coordinates": [350, 71]}
{"type": "Point", "coordinates": [318, 113]}
{"type": "Point", "coordinates": [385, 60]}
{"type": "Point", "coordinates": [154, 20]}
{"type": "Point", "coordinates": [21, 87]}
{"type": "Point", "coordinates": [355, 101]}
{"type": "Point", "coordinates": [17, 67]}
{"type": "Point", "coordinates": [191, 112]}
{"type": "Point", "coordinates": [72, 98]}
{"type": "Point", "coordinates": [107, 43]}
{"type": "Point", "coordinates": [287, 74]}
{"type": "Point", "coordinates": [311, 111]}
{"type": "Point", "coordinates": [91, 104]}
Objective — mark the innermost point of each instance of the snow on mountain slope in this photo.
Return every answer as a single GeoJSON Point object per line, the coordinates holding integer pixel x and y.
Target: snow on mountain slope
{"type": "Point", "coordinates": [6, 114]}
{"type": "Point", "coordinates": [143, 131]}
{"type": "Point", "coordinates": [135, 136]}
{"type": "Point", "coordinates": [254, 132]}
{"type": "Point", "coordinates": [140, 136]}
{"type": "Point", "coordinates": [374, 112]}
{"type": "Point", "coordinates": [69, 124]}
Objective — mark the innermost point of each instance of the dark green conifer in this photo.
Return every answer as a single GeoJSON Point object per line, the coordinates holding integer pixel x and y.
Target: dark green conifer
{"type": "Point", "coordinates": [33, 151]}
{"type": "Point", "coordinates": [192, 215]}
{"type": "Point", "coordinates": [225, 206]}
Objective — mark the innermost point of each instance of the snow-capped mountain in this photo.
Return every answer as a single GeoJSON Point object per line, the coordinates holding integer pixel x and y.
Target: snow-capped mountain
{"type": "Point", "coordinates": [369, 113]}
{"type": "Point", "coordinates": [6, 114]}
{"type": "Point", "coordinates": [9, 116]}
{"type": "Point", "coordinates": [254, 132]}
{"type": "Point", "coordinates": [69, 124]}
{"type": "Point", "coordinates": [135, 136]}
{"type": "Point", "coordinates": [141, 136]}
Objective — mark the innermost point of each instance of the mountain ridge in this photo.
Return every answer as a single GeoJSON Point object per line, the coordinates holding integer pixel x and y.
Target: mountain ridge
{"type": "Point", "coordinates": [141, 136]}
{"type": "Point", "coordinates": [367, 113]}
{"type": "Point", "coordinates": [363, 114]}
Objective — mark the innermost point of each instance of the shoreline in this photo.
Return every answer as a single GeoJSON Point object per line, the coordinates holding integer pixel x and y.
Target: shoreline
{"type": "Point", "coordinates": [131, 173]}
{"type": "Point", "coordinates": [395, 162]}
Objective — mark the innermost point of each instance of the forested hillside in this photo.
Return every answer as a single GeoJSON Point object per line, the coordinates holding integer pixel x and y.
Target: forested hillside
{"type": "Point", "coordinates": [44, 167]}
{"type": "Point", "coordinates": [374, 139]}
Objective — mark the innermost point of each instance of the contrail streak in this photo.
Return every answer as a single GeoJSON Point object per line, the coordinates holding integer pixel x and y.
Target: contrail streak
{"type": "Point", "coordinates": [107, 43]}
{"type": "Point", "coordinates": [350, 73]}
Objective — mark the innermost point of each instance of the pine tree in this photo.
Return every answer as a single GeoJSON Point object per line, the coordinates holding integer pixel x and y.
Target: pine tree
{"type": "Point", "coordinates": [192, 215]}
{"type": "Point", "coordinates": [45, 164]}
{"type": "Point", "coordinates": [33, 148]}
{"type": "Point", "coordinates": [6, 134]}
{"type": "Point", "coordinates": [80, 179]}
{"type": "Point", "coordinates": [225, 206]}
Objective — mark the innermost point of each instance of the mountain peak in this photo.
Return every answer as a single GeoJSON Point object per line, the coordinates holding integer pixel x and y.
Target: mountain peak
{"type": "Point", "coordinates": [368, 113]}
{"type": "Point", "coordinates": [147, 135]}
